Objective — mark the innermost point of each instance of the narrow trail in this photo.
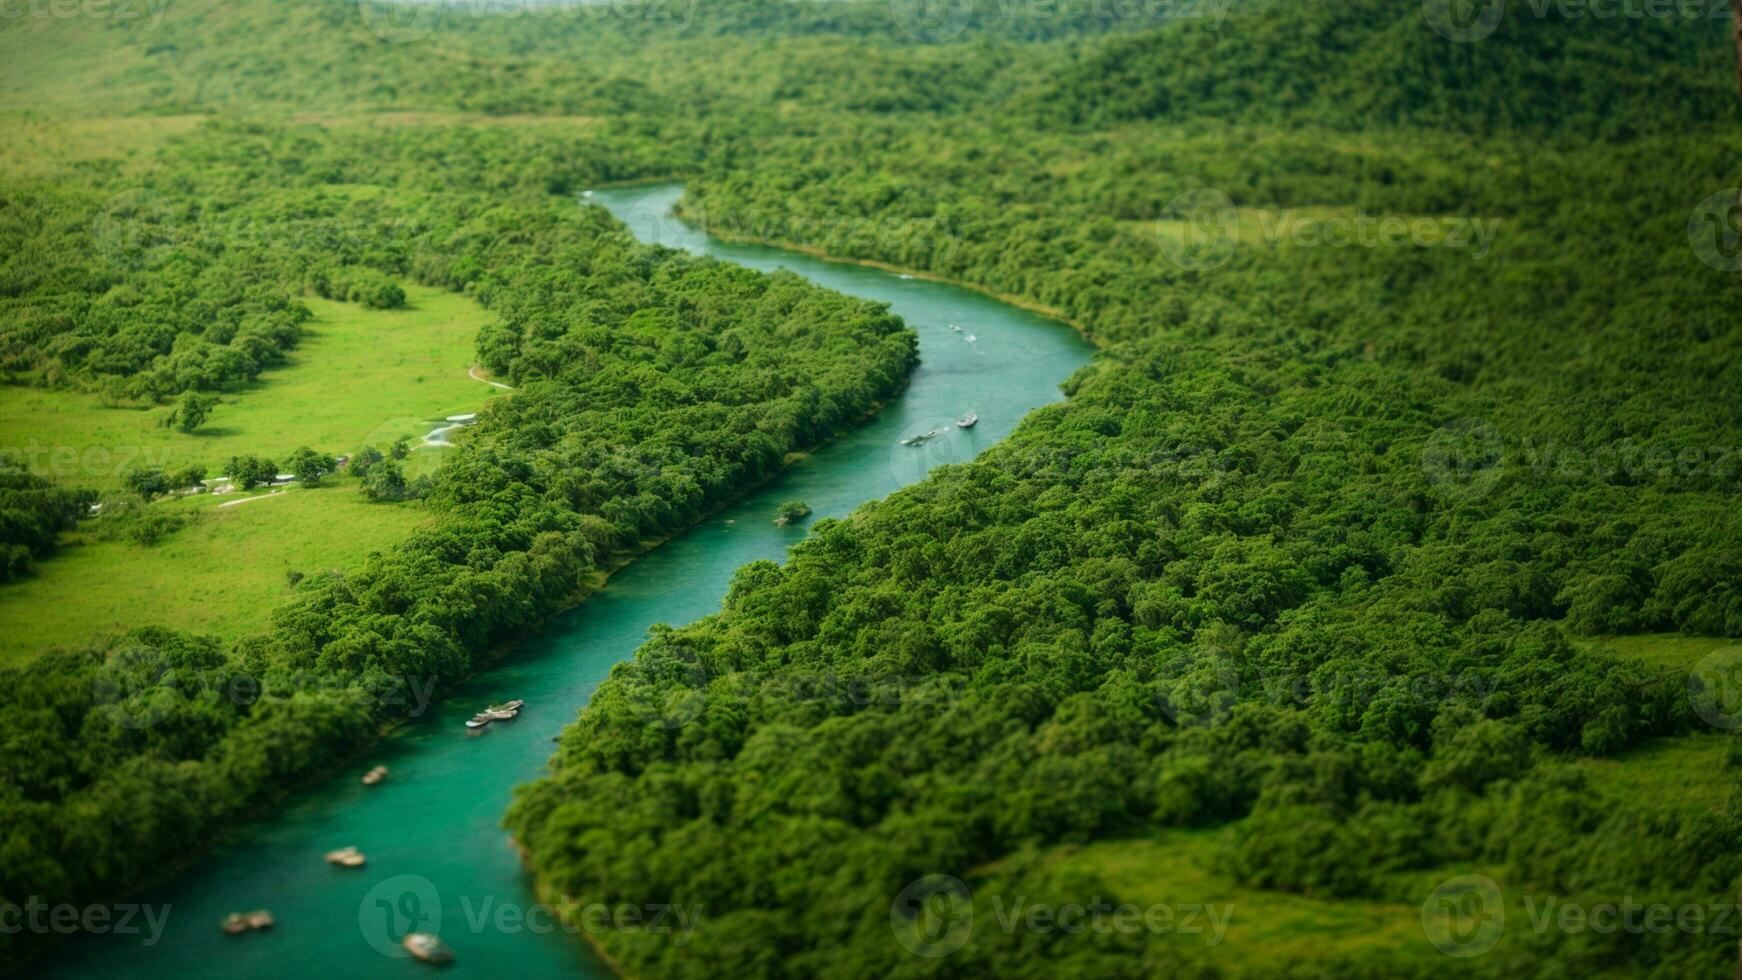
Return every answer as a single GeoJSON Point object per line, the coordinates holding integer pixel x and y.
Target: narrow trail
{"type": "Point", "coordinates": [472, 372]}
{"type": "Point", "coordinates": [249, 500]}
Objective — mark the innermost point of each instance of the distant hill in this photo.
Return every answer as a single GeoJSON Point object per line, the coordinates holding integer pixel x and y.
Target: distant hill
{"type": "Point", "coordinates": [1362, 63]}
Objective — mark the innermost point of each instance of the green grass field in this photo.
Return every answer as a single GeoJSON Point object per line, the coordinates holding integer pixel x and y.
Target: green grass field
{"type": "Point", "coordinates": [220, 575]}
{"type": "Point", "coordinates": [1686, 771]}
{"type": "Point", "coordinates": [1661, 649]}
{"type": "Point", "coordinates": [359, 377]}
{"type": "Point", "coordinates": [1267, 932]}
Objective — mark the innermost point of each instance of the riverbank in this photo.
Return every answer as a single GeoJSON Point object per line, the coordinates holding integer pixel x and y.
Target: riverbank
{"type": "Point", "coordinates": [1009, 299]}
{"type": "Point", "coordinates": [435, 826]}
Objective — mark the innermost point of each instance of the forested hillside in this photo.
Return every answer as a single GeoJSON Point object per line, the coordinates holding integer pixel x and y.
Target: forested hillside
{"type": "Point", "coordinates": [1300, 560]}
{"type": "Point", "coordinates": [1370, 64]}
{"type": "Point", "coordinates": [1420, 372]}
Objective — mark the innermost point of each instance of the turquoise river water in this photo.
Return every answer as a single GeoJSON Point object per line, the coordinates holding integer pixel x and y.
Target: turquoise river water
{"type": "Point", "coordinates": [437, 854]}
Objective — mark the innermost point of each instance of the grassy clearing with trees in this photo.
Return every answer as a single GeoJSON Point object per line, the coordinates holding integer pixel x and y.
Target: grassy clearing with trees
{"type": "Point", "coordinates": [358, 376]}
{"type": "Point", "coordinates": [222, 575]}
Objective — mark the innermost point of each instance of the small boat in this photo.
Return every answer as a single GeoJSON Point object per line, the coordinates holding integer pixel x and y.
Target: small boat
{"type": "Point", "coordinates": [374, 775]}
{"type": "Point", "coordinates": [237, 923]}
{"type": "Point", "coordinates": [346, 857]}
{"type": "Point", "coordinates": [501, 714]}
{"type": "Point", "coordinates": [427, 948]}
{"type": "Point", "coordinates": [514, 705]}
{"type": "Point", "coordinates": [967, 421]}
{"type": "Point", "coordinates": [479, 720]}
{"type": "Point", "coordinates": [955, 328]}
{"type": "Point", "coordinates": [970, 338]}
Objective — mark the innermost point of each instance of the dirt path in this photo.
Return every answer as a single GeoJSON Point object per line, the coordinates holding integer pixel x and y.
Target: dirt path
{"type": "Point", "coordinates": [472, 373]}
{"type": "Point", "coordinates": [245, 500]}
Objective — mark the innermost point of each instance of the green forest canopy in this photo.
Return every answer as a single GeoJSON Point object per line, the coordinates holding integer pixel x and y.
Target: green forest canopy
{"type": "Point", "coordinates": [1299, 558]}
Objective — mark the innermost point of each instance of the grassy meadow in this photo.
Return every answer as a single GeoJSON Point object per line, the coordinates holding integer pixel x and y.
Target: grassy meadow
{"type": "Point", "coordinates": [360, 376]}
{"type": "Point", "coordinates": [220, 575]}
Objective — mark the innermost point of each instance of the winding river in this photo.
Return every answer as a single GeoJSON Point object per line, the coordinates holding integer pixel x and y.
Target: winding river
{"type": "Point", "coordinates": [437, 854]}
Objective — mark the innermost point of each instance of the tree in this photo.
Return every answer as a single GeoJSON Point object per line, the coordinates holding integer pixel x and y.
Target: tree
{"type": "Point", "coordinates": [309, 466]}
{"type": "Point", "coordinates": [792, 511]}
{"type": "Point", "coordinates": [188, 476]}
{"type": "Point", "coordinates": [401, 448]}
{"type": "Point", "coordinates": [363, 460]}
{"type": "Point", "coordinates": [386, 481]}
{"type": "Point", "coordinates": [193, 411]}
{"type": "Point", "coordinates": [147, 482]}
{"type": "Point", "coordinates": [248, 472]}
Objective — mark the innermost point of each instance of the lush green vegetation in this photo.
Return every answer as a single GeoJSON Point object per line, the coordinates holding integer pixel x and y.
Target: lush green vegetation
{"type": "Point", "coordinates": [1297, 560]}
{"type": "Point", "coordinates": [688, 382]}
{"type": "Point", "coordinates": [652, 386]}
{"type": "Point", "coordinates": [1282, 606]}
{"type": "Point", "coordinates": [33, 513]}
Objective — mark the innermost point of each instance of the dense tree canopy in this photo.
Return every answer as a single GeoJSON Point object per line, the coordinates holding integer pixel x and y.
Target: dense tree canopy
{"type": "Point", "coordinates": [1303, 557]}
